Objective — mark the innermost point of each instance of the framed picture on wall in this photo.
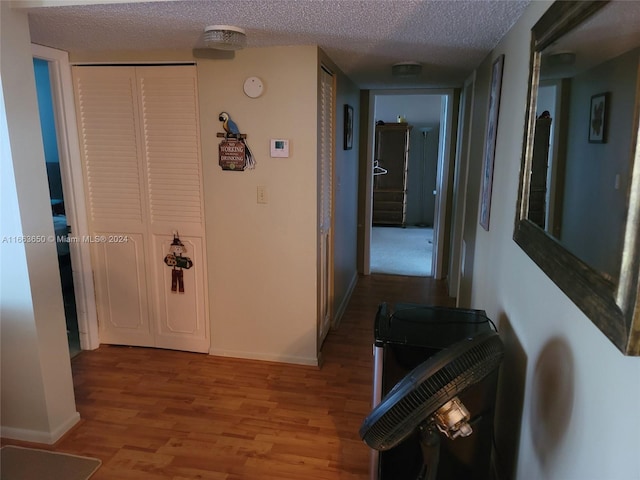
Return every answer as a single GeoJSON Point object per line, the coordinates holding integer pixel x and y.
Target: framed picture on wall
{"type": "Point", "coordinates": [490, 141]}
{"type": "Point", "coordinates": [348, 127]}
{"type": "Point", "coordinates": [598, 118]}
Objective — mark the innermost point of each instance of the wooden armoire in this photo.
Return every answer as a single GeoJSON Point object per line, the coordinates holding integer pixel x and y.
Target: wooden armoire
{"type": "Point", "coordinates": [390, 174]}
{"type": "Point", "coordinates": [538, 180]}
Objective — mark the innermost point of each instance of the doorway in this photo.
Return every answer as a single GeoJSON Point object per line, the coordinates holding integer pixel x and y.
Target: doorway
{"type": "Point", "coordinates": [416, 246]}
{"type": "Point", "coordinates": [56, 195]}
{"type": "Point", "coordinates": [458, 270]}
{"type": "Point", "coordinates": [77, 266]}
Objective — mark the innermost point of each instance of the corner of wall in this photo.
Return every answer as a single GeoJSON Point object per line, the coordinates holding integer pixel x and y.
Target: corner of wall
{"type": "Point", "coordinates": [37, 388]}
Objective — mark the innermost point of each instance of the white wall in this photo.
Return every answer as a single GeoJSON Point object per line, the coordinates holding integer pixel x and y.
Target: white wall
{"type": "Point", "coordinates": [37, 392]}
{"type": "Point", "coordinates": [262, 257]}
{"type": "Point", "coordinates": [423, 108]}
{"type": "Point", "coordinates": [345, 274]}
{"type": "Point", "coordinates": [579, 394]}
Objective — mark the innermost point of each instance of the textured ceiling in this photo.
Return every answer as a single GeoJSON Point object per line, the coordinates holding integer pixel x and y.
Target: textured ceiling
{"type": "Point", "coordinates": [363, 37]}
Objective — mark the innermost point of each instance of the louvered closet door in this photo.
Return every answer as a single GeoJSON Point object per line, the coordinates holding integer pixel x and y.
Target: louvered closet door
{"type": "Point", "coordinates": [326, 114]}
{"type": "Point", "coordinates": [107, 112]}
{"type": "Point", "coordinates": [168, 99]}
{"type": "Point", "coordinates": [141, 154]}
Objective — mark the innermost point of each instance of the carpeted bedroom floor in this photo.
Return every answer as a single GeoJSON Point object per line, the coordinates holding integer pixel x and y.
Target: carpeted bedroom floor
{"type": "Point", "coordinates": [402, 251]}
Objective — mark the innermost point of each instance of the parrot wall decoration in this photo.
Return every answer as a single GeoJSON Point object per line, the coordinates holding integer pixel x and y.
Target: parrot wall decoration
{"type": "Point", "coordinates": [231, 129]}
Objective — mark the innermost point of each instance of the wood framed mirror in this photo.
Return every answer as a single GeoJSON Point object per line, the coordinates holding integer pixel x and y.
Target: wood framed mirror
{"type": "Point", "coordinates": [578, 212]}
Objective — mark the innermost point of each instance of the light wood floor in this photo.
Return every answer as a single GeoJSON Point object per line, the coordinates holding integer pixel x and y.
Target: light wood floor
{"type": "Point", "coordinates": [153, 414]}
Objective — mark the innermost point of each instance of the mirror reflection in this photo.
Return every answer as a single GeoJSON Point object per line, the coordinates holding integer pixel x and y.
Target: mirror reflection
{"type": "Point", "coordinates": [584, 136]}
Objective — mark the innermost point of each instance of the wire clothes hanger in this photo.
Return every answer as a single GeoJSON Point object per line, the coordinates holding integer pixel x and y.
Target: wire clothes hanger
{"type": "Point", "coordinates": [377, 169]}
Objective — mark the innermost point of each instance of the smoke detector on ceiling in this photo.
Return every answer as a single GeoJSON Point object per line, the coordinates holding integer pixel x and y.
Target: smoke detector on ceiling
{"type": "Point", "coordinates": [225, 37]}
{"type": "Point", "coordinates": [406, 69]}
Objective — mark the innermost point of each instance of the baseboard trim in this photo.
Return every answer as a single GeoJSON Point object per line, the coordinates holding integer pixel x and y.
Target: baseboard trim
{"type": "Point", "coordinates": [39, 436]}
{"type": "Point", "coordinates": [265, 357]}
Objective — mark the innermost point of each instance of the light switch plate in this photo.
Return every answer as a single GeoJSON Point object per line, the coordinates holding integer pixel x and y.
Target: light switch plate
{"type": "Point", "coordinates": [279, 148]}
{"type": "Point", "coordinates": [262, 194]}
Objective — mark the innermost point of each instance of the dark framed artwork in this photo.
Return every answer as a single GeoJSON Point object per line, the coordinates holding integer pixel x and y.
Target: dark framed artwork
{"type": "Point", "coordinates": [598, 118]}
{"type": "Point", "coordinates": [348, 127]}
{"type": "Point", "coordinates": [490, 141]}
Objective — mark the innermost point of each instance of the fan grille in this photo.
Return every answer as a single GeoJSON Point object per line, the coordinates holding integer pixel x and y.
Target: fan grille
{"type": "Point", "coordinates": [429, 386]}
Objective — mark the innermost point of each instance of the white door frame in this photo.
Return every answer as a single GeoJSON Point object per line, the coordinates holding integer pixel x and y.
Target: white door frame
{"type": "Point", "coordinates": [73, 190]}
{"type": "Point", "coordinates": [442, 183]}
{"type": "Point", "coordinates": [325, 225]}
{"type": "Point", "coordinates": [463, 152]}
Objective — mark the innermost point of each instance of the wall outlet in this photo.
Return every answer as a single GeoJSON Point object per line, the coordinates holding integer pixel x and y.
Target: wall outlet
{"type": "Point", "coordinates": [262, 194]}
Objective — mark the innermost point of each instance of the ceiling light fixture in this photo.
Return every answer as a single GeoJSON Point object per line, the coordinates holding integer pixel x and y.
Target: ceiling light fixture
{"type": "Point", "coordinates": [561, 59]}
{"type": "Point", "coordinates": [406, 69]}
{"type": "Point", "coordinates": [225, 37]}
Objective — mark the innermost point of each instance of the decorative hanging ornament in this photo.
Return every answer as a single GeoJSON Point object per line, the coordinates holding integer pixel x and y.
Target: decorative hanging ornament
{"type": "Point", "coordinates": [234, 152]}
{"type": "Point", "coordinates": [177, 261]}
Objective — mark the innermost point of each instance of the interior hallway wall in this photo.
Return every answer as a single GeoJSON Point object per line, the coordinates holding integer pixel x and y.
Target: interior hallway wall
{"type": "Point", "coordinates": [262, 257]}
{"type": "Point", "coordinates": [345, 274]}
{"type": "Point", "coordinates": [560, 373]}
{"type": "Point", "coordinates": [37, 396]}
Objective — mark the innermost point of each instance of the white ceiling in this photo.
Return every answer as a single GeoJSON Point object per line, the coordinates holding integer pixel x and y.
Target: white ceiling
{"type": "Point", "coordinates": [363, 37]}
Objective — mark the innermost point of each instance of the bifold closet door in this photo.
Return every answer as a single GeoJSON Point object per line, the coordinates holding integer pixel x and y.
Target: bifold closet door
{"type": "Point", "coordinates": [325, 184]}
{"type": "Point", "coordinates": [168, 98]}
{"type": "Point", "coordinates": [140, 145]}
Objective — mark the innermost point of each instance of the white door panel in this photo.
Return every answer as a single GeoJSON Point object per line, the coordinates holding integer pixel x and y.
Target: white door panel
{"type": "Point", "coordinates": [121, 289]}
{"type": "Point", "coordinates": [181, 317]}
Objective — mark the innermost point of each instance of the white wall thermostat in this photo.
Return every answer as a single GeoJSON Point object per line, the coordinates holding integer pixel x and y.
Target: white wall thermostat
{"type": "Point", "coordinates": [279, 148]}
{"type": "Point", "coordinates": [253, 87]}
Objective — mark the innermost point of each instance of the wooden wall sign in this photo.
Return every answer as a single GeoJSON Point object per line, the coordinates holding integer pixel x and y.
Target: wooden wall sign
{"type": "Point", "coordinates": [232, 154]}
